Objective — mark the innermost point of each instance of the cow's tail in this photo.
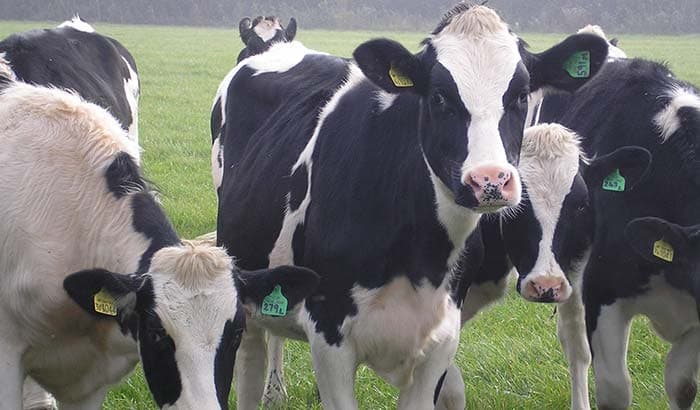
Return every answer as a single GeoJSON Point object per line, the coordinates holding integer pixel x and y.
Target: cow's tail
{"type": "Point", "coordinates": [7, 75]}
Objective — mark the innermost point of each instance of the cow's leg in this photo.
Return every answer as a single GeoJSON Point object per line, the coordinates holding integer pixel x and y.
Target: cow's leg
{"type": "Point", "coordinates": [250, 368]}
{"type": "Point", "coordinates": [681, 372]}
{"type": "Point", "coordinates": [335, 368]}
{"type": "Point", "coordinates": [275, 393]}
{"type": "Point", "coordinates": [609, 347]}
{"type": "Point", "coordinates": [571, 328]}
{"type": "Point", "coordinates": [451, 394]}
{"type": "Point", "coordinates": [93, 401]}
{"type": "Point", "coordinates": [34, 397]}
{"type": "Point", "coordinates": [480, 295]}
{"type": "Point", "coordinates": [421, 393]}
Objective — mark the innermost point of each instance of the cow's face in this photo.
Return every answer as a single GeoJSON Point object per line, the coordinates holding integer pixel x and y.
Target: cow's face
{"type": "Point", "coordinates": [549, 239]}
{"type": "Point", "coordinates": [474, 78]}
{"type": "Point", "coordinates": [261, 33]}
{"type": "Point", "coordinates": [185, 316]}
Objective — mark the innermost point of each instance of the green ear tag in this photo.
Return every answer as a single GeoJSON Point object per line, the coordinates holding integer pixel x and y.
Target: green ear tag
{"type": "Point", "coordinates": [399, 79]}
{"type": "Point", "coordinates": [579, 65]}
{"type": "Point", "coordinates": [104, 303]}
{"type": "Point", "coordinates": [663, 250]}
{"type": "Point", "coordinates": [614, 182]}
{"type": "Point", "coordinates": [275, 304]}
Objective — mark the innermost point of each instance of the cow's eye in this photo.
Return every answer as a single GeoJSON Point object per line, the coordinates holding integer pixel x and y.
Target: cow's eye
{"type": "Point", "coordinates": [157, 335]}
{"type": "Point", "coordinates": [438, 99]}
{"type": "Point", "coordinates": [522, 98]}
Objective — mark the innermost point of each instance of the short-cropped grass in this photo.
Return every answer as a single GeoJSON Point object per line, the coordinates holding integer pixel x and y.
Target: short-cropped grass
{"type": "Point", "coordinates": [509, 355]}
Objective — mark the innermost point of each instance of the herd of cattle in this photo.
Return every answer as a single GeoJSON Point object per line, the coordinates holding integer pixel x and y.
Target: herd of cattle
{"type": "Point", "coordinates": [372, 206]}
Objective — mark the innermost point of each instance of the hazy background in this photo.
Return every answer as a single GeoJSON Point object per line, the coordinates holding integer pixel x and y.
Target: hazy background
{"type": "Point", "coordinates": [618, 16]}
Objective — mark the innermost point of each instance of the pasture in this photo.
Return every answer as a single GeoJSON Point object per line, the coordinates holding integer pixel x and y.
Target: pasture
{"type": "Point", "coordinates": [509, 356]}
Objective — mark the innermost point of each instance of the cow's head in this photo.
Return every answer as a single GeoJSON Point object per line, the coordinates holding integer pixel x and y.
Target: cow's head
{"type": "Point", "coordinates": [473, 77]}
{"type": "Point", "coordinates": [261, 33]}
{"type": "Point", "coordinates": [186, 316]}
{"type": "Point", "coordinates": [549, 237]}
{"type": "Point", "coordinates": [668, 245]}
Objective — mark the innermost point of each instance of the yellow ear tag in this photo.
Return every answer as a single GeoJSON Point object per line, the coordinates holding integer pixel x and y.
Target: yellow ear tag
{"type": "Point", "coordinates": [104, 303]}
{"type": "Point", "coordinates": [663, 250]}
{"type": "Point", "coordinates": [399, 79]}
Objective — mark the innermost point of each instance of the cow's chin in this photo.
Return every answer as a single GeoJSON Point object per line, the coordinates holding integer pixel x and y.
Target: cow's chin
{"type": "Point", "coordinates": [465, 197]}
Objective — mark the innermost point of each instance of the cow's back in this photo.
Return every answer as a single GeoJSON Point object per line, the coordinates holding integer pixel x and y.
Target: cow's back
{"type": "Point", "coordinates": [89, 63]}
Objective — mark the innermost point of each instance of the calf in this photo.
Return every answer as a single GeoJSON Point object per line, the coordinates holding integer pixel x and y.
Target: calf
{"type": "Point", "coordinates": [260, 34]}
{"type": "Point", "coordinates": [547, 238]}
{"type": "Point", "coordinates": [376, 184]}
{"type": "Point", "coordinates": [638, 103]}
{"type": "Point", "coordinates": [74, 201]}
{"type": "Point", "coordinates": [73, 56]}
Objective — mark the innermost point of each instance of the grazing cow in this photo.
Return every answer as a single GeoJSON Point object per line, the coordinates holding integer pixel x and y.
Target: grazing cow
{"type": "Point", "coordinates": [376, 184]}
{"type": "Point", "coordinates": [641, 124]}
{"type": "Point", "coordinates": [260, 34]}
{"type": "Point", "coordinates": [73, 56]}
{"type": "Point", "coordinates": [74, 201]}
{"type": "Point", "coordinates": [547, 239]}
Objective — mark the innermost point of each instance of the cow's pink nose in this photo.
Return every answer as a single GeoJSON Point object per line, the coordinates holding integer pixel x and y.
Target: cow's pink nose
{"type": "Point", "coordinates": [545, 289]}
{"type": "Point", "coordinates": [491, 184]}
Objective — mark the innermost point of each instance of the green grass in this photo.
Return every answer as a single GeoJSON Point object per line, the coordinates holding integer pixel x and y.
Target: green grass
{"type": "Point", "coordinates": [509, 355]}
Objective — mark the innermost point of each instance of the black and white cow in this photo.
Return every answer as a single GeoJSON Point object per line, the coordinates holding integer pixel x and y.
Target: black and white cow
{"type": "Point", "coordinates": [641, 125]}
{"type": "Point", "coordinates": [73, 56]}
{"type": "Point", "coordinates": [547, 239]}
{"type": "Point", "coordinates": [74, 201]}
{"type": "Point", "coordinates": [261, 33]}
{"type": "Point", "coordinates": [376, 183]}
{"type": "Point", "coordinates": [639, 103]}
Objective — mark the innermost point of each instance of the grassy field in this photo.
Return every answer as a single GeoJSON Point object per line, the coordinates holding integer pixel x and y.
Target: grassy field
{"type": "Point", "coordinates": [509, 355]}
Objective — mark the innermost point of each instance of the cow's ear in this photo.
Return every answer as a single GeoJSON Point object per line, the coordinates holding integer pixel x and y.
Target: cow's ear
{"type": "Point", "coordinates": [569, 64]}
{"type": "Point", "coordinates": [293, 282]}
{"type": "Point", "coordinates": [103, 293]}
{"type": "Point", "coordinates": [245, 29]}
{"type": "Point", "coordinates": [291, 30]}
{"type": "Point", "coordinates": [659, 241]}
{"type": "Point", "coordinates": [391, 66]}
{"type": "Point", "coordinates": [620, 171]}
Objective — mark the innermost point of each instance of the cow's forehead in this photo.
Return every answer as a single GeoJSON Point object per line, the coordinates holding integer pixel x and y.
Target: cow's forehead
{"type": "Point", "coordinates": [481, 67]}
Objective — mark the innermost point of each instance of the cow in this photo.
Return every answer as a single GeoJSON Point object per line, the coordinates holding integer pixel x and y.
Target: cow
{"type": "Point", "coordinates": [74, 56]}
{"type": "Point", "coordinates": [375, 184]}
{"type": "Point", "coordinates": [95, 278]}
{"type": "Point", "coordinates": [547, 239]}
{"type": "Point", "coordinates": [261, 33]}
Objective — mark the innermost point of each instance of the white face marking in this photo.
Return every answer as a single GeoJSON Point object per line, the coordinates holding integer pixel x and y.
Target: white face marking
{"type": "Point", "coordinates": [77, 24]}
{"type": "Point", "coordinates": [194, 298]}
{"type": "Point", "coordinates": [266, 29]}
{"type": "Point", "coordinates": [549, 162]}
{"type": "Point", "coordinates": [482, 68]}
{"type": "Point", "coordinates": [667, 120]}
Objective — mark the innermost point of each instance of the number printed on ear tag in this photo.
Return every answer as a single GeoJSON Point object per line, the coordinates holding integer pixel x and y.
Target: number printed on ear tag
{"type": "Point", "coordinates": [614, 182]}
{"type": "Point", "coordinates": [104, 303]}
{"type": "Point", "coordinates": [399, 79]}
{"type": "Point", "coordinates": [275, 304]}
{"type": "Point", "coordinates": [663, 250]}
{"type": "Point", "coordinates": [579, 65]}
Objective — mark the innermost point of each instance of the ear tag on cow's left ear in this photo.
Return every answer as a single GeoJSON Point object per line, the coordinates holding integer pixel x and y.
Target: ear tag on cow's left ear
{"type": "Point", "coordinates": [399, 79]}
{"type": "Point", "coordinates": [579, 64]}
{"type": "Point", "coordinates": [275, 304]}
{"type": "Point", "coordinates": [614, 182]}
{"type": "Point", "coordinates": [104, 303]}
{"type": "Point", "coordinates": [663, 250]}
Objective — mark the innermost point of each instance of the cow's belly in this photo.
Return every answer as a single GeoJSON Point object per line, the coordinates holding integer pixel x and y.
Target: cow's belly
{"type": "Point", "coordinates": [398, 325]}
{"type": "Point", "coordinates": [72, 366]}
{"type": "Point", "coordinates": [671, 311]}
